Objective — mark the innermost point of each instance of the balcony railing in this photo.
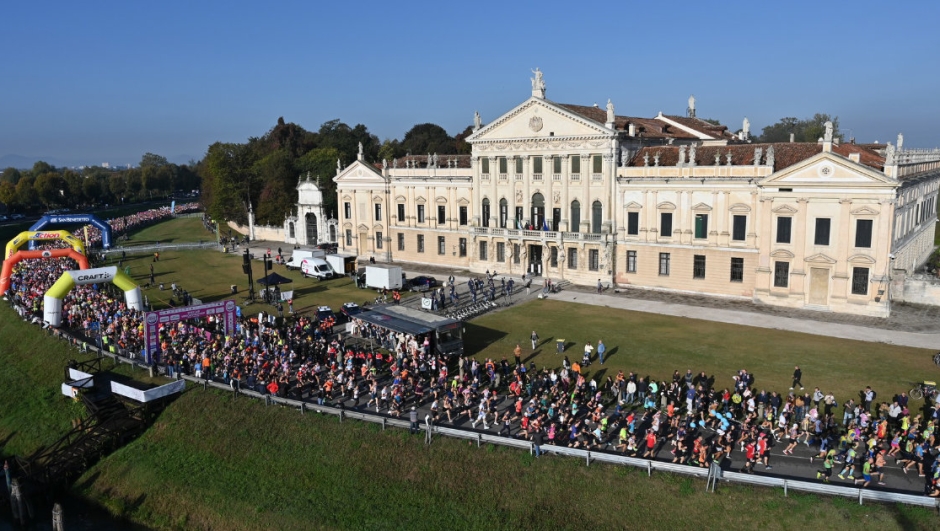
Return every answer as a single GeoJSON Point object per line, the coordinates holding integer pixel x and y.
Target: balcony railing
{"type": "Point", "coordinates": [503, 176]}
{"type": "Point", "coordinates": [556, 176]}
{"type": "Point", "coordinates": [517, 177]}
{"type": "Point", "coordinates": [597, 176]}
{"type": "Point", "coordinates": [536, 176]}
{"type": "Point", "coordinates": [575, 176]}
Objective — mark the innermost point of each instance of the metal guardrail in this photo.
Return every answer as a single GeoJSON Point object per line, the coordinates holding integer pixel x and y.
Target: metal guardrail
{"type": "Point", "coordinates": [860, 494]}
{"type": "Point", "coordinates": [147, 249]}
{"type": "Point", "coordinates": [190, 215]}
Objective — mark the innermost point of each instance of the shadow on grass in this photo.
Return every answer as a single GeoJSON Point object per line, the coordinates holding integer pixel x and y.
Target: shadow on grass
{"type": "Point", "coordinates": [610, 354]}
{"type": "Point", "coordinates": [477, 338]}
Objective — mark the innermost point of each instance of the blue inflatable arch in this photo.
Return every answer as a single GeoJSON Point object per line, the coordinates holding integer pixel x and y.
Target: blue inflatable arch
{"type": "Point", "coordinates": [72, 219]}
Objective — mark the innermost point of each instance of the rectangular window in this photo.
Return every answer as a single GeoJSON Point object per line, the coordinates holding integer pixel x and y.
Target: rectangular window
{"type": "Point", "coordinates": [348, 236]}
{"type": "Point", "coordinates": [378, 239]}
{"type": "Point", "coordinates": [536, 164]}
{"type": "Point", "coordinates": [665, 224]}
{"type": "Point", "coordinates": [502, 165]}
{"type": "Point", "coordinates": [500, 252]}
{"type": "Point", "coordinates": [737, 270]}
{"type": "Point", "coordinates": [421, 243]}
{"type": "Point", "coordinates": [420, 213]}
{"type": "Point", "coordinates": [598, 163]}
{"type": "Point", "coordinates": [633, 223]}
{"type": "Point", "coordinates": [378, 212]}
{"type": "Point", "coordinates": [863, 233]}
{"type": "Point", "coordinates": [783, 229]}
{"type": "Point", "coordinates": [484, 165]}
{"type": "Point", "coordinates": [441, 214]}
{"type": "Point", "coordinates": [515, 253]}
{"type": "Point", "coordinates": [698, 266]}
{"type": "Point", "coordinates": [859, 281]}
{"type": "Point", "coordinates": [483, 250]}
{"type": "Point", "coordinates": [347, 211]}
{"type": "Point", "coordinates": [401, 212]}
{"type": "Point", "coordinates": [593, 259]}
{"type": "Point", "coordinates": [518, 218]}
{"type": "Point", "coordinates": [556, 165]}
{"type": "Point", "coordinates": [781, 274]}
{"type": "Point", "coordinates": [463, 247]}
{"type": "Point", "coordinates": [401, 241]}
{"type": "Point", "coordinates": [822, 231]}
{"type": "Point", "coordinates": [463, 215]}
{"type": "Point", "coordinates": [631, 261]}
{"type": "Point", "coordinates": [554, 257]}
{"type": "Point", "coordinates": [518, 165]}
{"type": "Point", "coordinates": [576, 164]}
{"type": "Point", "coordinates": [701, 226]}
{"type": "Point", "coordinates": [572, 258]}
{"type": "Point", "coordinates": [739, 228]}
{"type": "Point", "coordinates": [441, 245]}
{"type": "Point", "coordinates": [664, 264]}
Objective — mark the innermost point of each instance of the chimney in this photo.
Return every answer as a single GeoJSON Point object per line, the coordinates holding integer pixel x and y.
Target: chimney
{"type": "Point", "coordinates": [631, 129]}
{"type": "Point", "coordinates": [855, 157]}
{"type": "Point", "coordinates": [792, 137]}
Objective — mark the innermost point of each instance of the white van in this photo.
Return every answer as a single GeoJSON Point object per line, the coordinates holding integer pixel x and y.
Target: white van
{"type": "Point", "coordinates": [299, 255]}
{"type": "Point", "coordinates": [318, 268]}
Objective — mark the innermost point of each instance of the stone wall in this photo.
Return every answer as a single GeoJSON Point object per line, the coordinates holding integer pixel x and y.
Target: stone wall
{"type": "Point", "coordinates": [919, 288]}
{"type": "Point", "coordinates": [261, 232]}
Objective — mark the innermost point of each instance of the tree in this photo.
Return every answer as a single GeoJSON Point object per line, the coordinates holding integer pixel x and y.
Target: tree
{"type": "Point", "coordinates": [460, 142]}
{"type": "Point", "coordinates": [50, 188]}
{"type": "Point", "coordinates": [807, 130]}
{"type": "Point", "coordinates": [428, 138]}
{"type": "Point", "coordinates": [8, 193]}
{"type": "Point", "coordinates": [11, 175]}
{"type": "Point", "coordinates": [26, 195]}
{"type": "Point", "coordinates": [151, 160]}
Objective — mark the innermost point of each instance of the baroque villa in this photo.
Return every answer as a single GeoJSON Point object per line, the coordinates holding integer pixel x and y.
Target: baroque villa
{"type": "Point", "coordinates": [582, 194]}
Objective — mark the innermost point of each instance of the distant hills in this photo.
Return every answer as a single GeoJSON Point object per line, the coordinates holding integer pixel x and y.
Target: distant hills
{"type": "Point", "coordinates": [26, 162]}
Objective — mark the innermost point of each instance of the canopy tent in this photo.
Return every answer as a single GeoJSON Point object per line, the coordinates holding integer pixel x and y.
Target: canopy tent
{"type": "Point", "coordinates": [273, 280]}
{"type": "Point", "coordinates": [394, 323]}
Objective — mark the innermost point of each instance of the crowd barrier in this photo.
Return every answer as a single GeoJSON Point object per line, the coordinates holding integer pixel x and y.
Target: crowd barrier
{"type": "Point", "coordinates": [588, 456]}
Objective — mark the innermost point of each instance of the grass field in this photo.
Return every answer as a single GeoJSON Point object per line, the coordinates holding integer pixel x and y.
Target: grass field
{"type": "Point", "coordinates": [180, 230]}
{"type": "Point", "coordinates": [213, 463]}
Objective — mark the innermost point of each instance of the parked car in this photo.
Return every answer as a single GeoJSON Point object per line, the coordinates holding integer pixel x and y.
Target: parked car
{"type": "Point", "coordinates": [17, 216]}
{"type": "Point", "coordinates": [348, 311]}
{"type": "Point", "coordinates": [329, 247]}
{"type": "Point", "coordinates": [422, 283]}
{"type": "Point", "coordinates": [324, 312]}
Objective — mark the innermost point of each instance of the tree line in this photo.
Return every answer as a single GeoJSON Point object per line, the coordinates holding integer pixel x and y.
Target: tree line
{"type": "Point", "coordinates": [45, 187]}
{"type": "Point", "coordinates": [264, 171]}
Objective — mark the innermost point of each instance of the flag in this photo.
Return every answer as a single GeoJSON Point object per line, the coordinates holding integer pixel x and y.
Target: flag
{"type": "Point", "coordinates": [545, 224]}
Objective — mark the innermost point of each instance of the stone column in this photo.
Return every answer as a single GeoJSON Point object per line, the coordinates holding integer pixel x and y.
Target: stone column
{"type": "Point", "coordinates": [765, 262]}
{"type": "Point", "coordinates": [494, 200]}
{"type": "Point", "coordinates": [586, 170]}
{"type": "Point", "coordinates": [799, 269]}
{"type": "Point", "coordinates": [526, 188]}
{"type": "Point", "coordinates": [564, 225]}
{"type": "Point", "coordinates": [643, 215]}
{"type": "Point", "coordinates": [653, 217]}
{"type": "Point", "coordinates": [476, 199]}
{"type": "Point", "coordinates": [841, 277]}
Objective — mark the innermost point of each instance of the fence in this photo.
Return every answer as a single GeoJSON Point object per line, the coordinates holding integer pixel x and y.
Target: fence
{"type": "Point", "coordinates": [588, 456]}
{"type": "Point", "coordinates": [159, 248]}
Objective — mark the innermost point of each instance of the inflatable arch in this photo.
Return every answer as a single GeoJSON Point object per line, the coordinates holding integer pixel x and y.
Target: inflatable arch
{"type": "Point", "coordinates": [52, 302]}
{"type": "Point", "coordinates": [30, 236]}
{"type": "Point", "coordinates": [72, 219]}
{"type": "Point", "coordinates": [19, 256]}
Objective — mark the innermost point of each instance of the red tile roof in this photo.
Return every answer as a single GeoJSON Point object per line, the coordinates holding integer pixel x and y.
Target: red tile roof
{"type": "Point", "coordinates": [708, 128]}
{"type": "Point", "coordinates": [650, 127]}
{"type": "Point", "coordinates": [785, 154]}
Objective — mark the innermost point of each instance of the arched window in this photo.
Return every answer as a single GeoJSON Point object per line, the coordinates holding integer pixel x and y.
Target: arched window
{"type": "Point", "coordinates": [486, 212]}
{"type": "Point", "coordinates": [290, 230]}
{"type": "Point", "coordinates": [538, 211]}
{"type": "Point", "coordinates": [503, 213]}
{"type": "Point", "coordinates": [311, 220]}
{"type": "Point", "coordinates": [597, 212]}
{"type": "Point", "coordinates": [575, 222]}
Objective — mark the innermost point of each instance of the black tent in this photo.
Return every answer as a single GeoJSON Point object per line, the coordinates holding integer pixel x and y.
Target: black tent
{"type": "Point", "coordinates": [273, 280]}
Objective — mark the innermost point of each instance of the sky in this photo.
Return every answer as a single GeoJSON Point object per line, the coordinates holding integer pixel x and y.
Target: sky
{"type": "Point", "coordinates": [97, 81]}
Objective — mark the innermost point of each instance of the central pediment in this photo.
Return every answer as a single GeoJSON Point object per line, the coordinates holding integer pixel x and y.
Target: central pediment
{"type": "Point", "coordinates": [536, 118]}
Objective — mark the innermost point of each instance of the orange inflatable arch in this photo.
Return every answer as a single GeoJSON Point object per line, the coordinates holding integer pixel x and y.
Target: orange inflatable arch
{"type": "Point", "coordinates": [19, 256]}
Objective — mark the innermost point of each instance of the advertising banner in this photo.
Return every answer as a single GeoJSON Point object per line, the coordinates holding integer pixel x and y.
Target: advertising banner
{"type": "Point", "coordinates": [171, 316]}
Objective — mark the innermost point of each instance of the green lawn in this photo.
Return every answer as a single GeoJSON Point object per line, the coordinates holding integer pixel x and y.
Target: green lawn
{"type": "Point", "coordinates": [656, 345]}
{"type": "Point", "coordinates": [180, 230]}
{"type": "Point", "coordinates": [213, 463]}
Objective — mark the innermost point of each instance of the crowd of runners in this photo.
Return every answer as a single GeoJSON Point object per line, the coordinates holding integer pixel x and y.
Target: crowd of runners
{"type": "Point", "coordinates": [689, 417]}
